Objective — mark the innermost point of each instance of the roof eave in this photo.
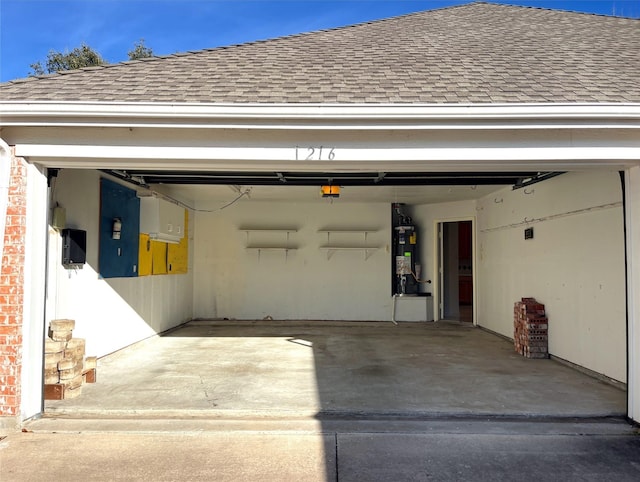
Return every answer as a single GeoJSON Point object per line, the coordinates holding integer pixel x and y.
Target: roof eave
{"type": "Point", "coordinates": [314, 116]}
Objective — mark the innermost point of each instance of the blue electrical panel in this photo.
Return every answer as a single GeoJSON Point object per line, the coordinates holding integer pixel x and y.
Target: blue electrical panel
{"type": "Point", "coordinates": [119, 230]}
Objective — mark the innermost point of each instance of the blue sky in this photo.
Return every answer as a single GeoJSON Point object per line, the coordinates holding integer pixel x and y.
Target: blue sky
{"type": "Point", "coordinates": [30, 28]}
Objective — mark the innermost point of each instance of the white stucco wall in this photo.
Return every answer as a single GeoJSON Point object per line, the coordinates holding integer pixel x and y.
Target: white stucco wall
{"type": "Point", "coordinates": [34, 300]}
{"type": "Point", "coordinates": [574, 265]}
{"type": "Point", "coordinates": [233, 282]}
{"type": "Point", "coordinates": [109, 313]}
{"type": "Point", "coordinates": [632, 206]}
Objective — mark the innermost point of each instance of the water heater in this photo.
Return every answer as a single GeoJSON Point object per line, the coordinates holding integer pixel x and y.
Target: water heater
{"type": "Point", "coordinates": [405, 252]}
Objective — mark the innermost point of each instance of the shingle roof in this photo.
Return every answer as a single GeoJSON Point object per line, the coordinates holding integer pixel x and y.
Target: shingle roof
{"type": "Point", "coordinates": [474, 53]}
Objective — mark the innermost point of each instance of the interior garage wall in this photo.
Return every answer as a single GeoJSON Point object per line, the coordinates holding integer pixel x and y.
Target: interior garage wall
{"type": "Point", "coordinates": [306, 283]}
{"type": "Point", "coordinates": [574, 265]}
{"type": "Point", "coordinates": [109, 313]}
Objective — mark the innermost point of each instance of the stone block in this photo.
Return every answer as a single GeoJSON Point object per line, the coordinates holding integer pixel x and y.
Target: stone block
{"type": "Point", "coordinates": [89, 375]}
{"type": "Point", "coordinates": [53, 358]}
{"type": "Point", "coordinates": [51, 346]}
{"type": "Point", "coordinates": [60, 335]}
{"type": "Point", "coordinates": [72, 392]}
{"type": "Point", "coordinates": [72, 383]}
{"type": "Point", "coordinates": [67, 363]}
{"type": "Point", "coordinates": [90, 362]}
{"type": "Point", "coordinates": [75, 348]}
{"type": "Point", "coordinates": [62, 325]}
{"type": "Point", "coordinates": [51, 375]}
{"type": "Point", "coordinates": [71, 372]}
{"type": "Point", "coordinates": [76, 343]}
{"type": "Point", "coordinates": [53, 391]}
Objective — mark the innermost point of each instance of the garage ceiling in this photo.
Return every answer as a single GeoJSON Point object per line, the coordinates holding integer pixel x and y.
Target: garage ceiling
{"type": "Point", "coordinates": [203, 194]}
{"type": "Point", "coordinates": [406, 187]}
{"type": "Point", "coordinates": [299, 178]}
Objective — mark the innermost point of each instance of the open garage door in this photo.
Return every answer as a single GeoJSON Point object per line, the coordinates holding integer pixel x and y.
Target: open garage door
{"type": "Point", "coordinates": [262, 280]}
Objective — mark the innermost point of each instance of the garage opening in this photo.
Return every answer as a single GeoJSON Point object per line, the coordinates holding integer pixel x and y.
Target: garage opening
{"type": "Point", "coordinates": [285, 302]}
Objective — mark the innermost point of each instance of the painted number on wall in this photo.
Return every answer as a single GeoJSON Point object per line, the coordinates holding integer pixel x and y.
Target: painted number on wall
{"type": "Point", "coordinates": [315, 153]}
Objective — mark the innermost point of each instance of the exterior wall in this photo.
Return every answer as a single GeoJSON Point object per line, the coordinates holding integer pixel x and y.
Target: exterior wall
{"type": "Point", "coordinates": [109, 313]}
{"type": "Point", "coordinates": [306, 283]}
{"type": "Point", "coordinates": [574, 265]}
{"type": "Point", "coordinates": [22, 290]}
{"type": "Point", "coordinates": [12, 294]}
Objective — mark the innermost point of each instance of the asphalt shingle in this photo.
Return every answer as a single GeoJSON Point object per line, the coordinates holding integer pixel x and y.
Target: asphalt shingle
{"type": "Point", "coordinates": [475, 53]}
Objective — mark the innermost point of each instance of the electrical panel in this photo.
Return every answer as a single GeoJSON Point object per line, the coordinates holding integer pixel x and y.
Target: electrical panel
{"type": "Point", "coordinates": [74, 248]}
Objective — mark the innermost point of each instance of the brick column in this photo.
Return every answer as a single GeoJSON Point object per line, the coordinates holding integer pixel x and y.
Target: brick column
{"type": "Point", "coordinates": [12, 292]}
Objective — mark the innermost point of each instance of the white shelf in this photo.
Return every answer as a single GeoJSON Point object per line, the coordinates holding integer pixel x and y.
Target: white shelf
{"type": "Point", "coordinates": [266, 241]}
{"type": "Point", "coordinates": [331, 250]}
{"type": "Point", "coordinates": [348, 231]}
{"type": "Point", "coordinates": [348, 248]}
{"type": "Point", "coordinates": [343, 235]}
{"type": "Point", "coordinates": [260, 249]}
{"type": "Point", "coordinates": [270, 248]}
{"type": "Point", "coordinates": [266, 230]}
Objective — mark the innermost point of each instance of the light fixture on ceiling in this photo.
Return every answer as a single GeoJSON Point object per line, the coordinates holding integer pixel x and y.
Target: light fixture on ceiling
{"type": "Point", "coordinates": [330, 191]}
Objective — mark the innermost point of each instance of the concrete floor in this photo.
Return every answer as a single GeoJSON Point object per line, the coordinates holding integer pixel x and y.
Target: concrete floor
{"type": "Point", "coordinates": [320, 370]}
{"type": "Point", "coordinates": [328, 402]}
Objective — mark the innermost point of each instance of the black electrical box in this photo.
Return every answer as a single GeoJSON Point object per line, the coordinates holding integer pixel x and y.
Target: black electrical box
{"type": "Point", "coordinates": [74, 247]}
{"type": "Point", "coordinates": [528, 233]}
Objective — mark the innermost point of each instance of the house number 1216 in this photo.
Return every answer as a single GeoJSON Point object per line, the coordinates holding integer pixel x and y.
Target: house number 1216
{"type": "Point", "coordinates": [313, 153]}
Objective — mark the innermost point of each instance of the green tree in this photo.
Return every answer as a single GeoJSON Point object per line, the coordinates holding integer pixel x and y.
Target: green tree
{"type": "Point", "coordinates": [140, 51]}
{"type": "Point", "coordinates": [83, 56]}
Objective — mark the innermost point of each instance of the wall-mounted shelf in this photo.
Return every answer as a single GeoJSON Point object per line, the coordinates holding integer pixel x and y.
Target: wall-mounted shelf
{"type": "Point", "coordinates": [265, 230]}
{"type": "Point", "coordinates": [259, 249]}
{"type": "Point", "coordinates": [359, 244]}
{"type": "Point", "coordinates": [368, 251]}
{"type": "Point", "coordinates": [348, 231]}
{"type": "Point", "coordinates": [266, 241]}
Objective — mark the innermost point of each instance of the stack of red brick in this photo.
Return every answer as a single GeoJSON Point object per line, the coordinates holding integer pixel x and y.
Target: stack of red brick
{"type": "Point", "coordinates": [530, 325]}
{"type": "Point", "coordinates": [65, 367]}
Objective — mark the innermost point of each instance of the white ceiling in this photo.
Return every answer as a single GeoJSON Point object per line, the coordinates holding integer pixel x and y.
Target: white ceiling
{"type": "Point", "coordinates": [207, 194]}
